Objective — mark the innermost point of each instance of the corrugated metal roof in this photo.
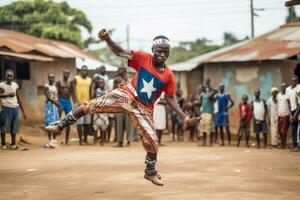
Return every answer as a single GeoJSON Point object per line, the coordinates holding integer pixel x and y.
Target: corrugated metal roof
{"type": "Point", "coordinates": [27, 56]}
{"type": "Point", "coordinates": [279, 44]}
{"type": "Point", "coordinates": [22, 43]}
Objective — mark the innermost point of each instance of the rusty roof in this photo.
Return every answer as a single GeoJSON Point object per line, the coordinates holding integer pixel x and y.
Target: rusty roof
{"type": "Point", "coordinates": [27, 56]}
{"type": "Point", "coordinates": [279, 44]}
{"type": "Point", "coordinates": [17, 42]}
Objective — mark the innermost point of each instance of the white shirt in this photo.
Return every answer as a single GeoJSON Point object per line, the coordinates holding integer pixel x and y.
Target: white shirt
{"type": "Point", "coordinates": [11, 102]}
{"type": "Point", "coordinates": [292, 94]}
{"type": "Point", "coordinates": [283, 108]}
{"type": "Point", "coordinates": [259, 110]}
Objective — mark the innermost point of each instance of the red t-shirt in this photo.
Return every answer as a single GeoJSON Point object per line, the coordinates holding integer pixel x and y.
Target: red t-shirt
{"type": "Point", "coordinates": [148, 82]}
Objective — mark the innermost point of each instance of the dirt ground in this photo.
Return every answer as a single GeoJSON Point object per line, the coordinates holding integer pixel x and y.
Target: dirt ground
{"type": "Point", "coordinates": [189, 172]}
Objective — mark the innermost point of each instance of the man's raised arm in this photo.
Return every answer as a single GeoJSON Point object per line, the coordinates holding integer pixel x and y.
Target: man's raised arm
{"type": "Point", "coordinates": [116, 49]}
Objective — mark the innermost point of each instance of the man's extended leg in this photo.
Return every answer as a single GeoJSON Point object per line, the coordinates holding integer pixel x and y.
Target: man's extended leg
{"type": "Point", "coordinates": [117, 101]}
{"type": "Point", "coordinates": [141, 118]}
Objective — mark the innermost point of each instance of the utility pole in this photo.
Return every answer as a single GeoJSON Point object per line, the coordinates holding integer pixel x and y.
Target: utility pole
{"type": "Point", "coordinates": [252, 18]}
{"type": "Point", "coordinates": [127, 38]}
{"type": "Point", "coordinates": [253, 14]}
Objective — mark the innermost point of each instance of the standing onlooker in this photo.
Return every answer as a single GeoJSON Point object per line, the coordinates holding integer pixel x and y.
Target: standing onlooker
{"type": "Point", "coordinates": [160, 117]}
{"type": "Point", "coordinates": [260, 110]}
{"type": "Point", "coordinates": [10, 108]}
{"type": "Point", "coordinates": [100, 120]}
{"type": "Point", "coordinates": [123, 124]}
{"type": "Point", "coordinates": [207, 109]}
{"type": "Point", "coordinates": [221, 119]}
{"type": "Point", "coordinates": [283, 115]}
{"type": "Point", "coordinates": [51, 105]}
{"type": "Point", "coordinates": [82, 87]}
{"type": "Point", "coordinates": [65, 91]}
{"type": "Point", "coordinates": [291, 92]}
{"type": "Point", "coordinates": [179, 121]}
{"type": "Point", "coordinates": [191, 107]}
{"type": "Point", "coordinates": [272, 104]}
{"type": "Point", "coordinates": [245, 120]}
{"type": "Point", "coordinates": [101, 73]}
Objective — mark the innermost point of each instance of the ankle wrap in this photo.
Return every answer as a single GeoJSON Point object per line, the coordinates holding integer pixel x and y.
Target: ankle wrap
{"type": "Point", "coordinates": [150, 166]}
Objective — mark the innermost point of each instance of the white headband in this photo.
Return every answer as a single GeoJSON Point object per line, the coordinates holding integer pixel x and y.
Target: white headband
{"type": "Point", "coordinates": [161, 41]}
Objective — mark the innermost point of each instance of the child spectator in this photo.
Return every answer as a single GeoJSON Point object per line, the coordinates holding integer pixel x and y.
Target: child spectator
{"type": "Point", "coordinates": [100, 120]}
{"type": "Point", "coordinates": [259, 109]}
{"type": "Point", "coordinates": [10, 109]}
{"type": "Point", "coordinates": [224, 103]}
{"type": "Point", "coordinates": [272, 104]}
{"type": "Point", "coordinates": [283, 115]}
{"type": "Point", "coordinates": [207, 109]}
{"type": "Point", "coordinates": [51, 105]}
{"type": "Point", "coordinates": [160, 117]}
{"type": "Point", "coordinates": [245, 119]}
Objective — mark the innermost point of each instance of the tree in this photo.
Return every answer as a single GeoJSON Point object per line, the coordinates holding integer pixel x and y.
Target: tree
{"type": "Point", "coordinates": [46, 19]}
{"type": "Point", "coordinates": [188, 50]}
{"type": "Point", "coordinates": [292, 16]}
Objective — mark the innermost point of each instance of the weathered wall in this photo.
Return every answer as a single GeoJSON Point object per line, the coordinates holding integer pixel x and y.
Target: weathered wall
{"type": "Point", "coordinates": [244, 78]}
{"type": "Point", "coordinates": [32, 95]}
{"type": "Point", "coordinates": [189, 81]}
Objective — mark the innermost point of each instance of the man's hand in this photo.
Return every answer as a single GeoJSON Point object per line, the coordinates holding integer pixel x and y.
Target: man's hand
{"type": "Point", "coordinates": [24, 116]}
{"type": "Point", "coordinates": [190, 121]}
{"type": "Point", "coordinates": [103, 34]}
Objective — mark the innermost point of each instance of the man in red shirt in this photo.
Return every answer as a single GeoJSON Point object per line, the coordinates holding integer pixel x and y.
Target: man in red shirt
{"type": "Point", "coordinates": [137, 98]}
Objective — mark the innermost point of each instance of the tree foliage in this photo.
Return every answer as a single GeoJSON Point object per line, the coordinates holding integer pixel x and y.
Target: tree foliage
{"type": "Point", "coordinates": [46, 19]}
{"type": "Point", "coordinates": [188, 50]}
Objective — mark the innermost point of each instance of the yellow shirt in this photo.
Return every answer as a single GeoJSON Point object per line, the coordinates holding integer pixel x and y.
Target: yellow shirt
{"type": "Point", "coordinates": [83, 88]}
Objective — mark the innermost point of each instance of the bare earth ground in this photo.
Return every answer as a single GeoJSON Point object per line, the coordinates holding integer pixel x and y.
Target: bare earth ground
{"type": "Point", "coordinates": [189, 172]}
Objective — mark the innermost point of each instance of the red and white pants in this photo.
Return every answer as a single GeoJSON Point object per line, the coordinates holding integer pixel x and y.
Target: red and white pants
{"type": "Point", "coordinates": [122, 101]}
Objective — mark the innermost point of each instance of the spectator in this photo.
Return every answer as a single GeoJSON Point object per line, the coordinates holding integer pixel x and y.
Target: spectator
{"type": "Point", "coordinates": [190, 110]}
{"type": "Point", "coordinates": [245, 119]}
{"type": "Point", "coordinates": [82, 87]}
{"type": "Point", "coordinates": [100, 120]}
{"type": "Point", "coordinates": [259, 109]}
{"type": "Point", "coordinates": [123, 124]}
{"type": "Point", "coordinates": [207, 109]}
{"type": "Point", "coordinates": [101, 73]}
{"type": "Point", "coordinates": [272, 104]}
{"type": "Point", "coordinates": [160, 117]}
{"type": "Point", "coordinates": [291, 92]}
{"type": "Point", "coordinates": [283, 115]}
{"type": "Point", "coordinates": [221, 119]}
{"type": "Point", "coordinates": [179, 122]}
{"type": "Point", "coordinates": [10, 109]}
{"type": "Point", "coordinates": [51, 105]}
{"type": "Point", "coordinates": [65, 91]}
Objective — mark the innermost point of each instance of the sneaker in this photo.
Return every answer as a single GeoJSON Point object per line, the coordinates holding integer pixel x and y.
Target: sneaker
{"type": "Point", "coordinates": [55, 127]}
{"type": "Point", "coordinates": [156, 179]}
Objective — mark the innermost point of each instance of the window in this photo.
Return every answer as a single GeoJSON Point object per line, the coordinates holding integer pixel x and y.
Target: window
{"type": "Point", "coordinates": [21, 68]}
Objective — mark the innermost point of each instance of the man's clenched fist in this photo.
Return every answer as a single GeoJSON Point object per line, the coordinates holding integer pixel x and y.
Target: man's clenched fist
{"type": "Point", "coordinates": [103, 34]}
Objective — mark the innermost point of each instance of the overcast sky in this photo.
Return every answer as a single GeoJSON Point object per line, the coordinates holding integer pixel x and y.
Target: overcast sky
{"type": "Point", "coordinates": [180, 20]}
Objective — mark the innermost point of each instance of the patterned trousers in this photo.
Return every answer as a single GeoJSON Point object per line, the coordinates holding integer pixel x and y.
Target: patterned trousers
{"type": "Point", "coordinates": [122, 101]}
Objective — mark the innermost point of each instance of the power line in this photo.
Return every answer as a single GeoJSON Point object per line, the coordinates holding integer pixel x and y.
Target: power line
{"type": "Point", "coordinates": [183, 15]}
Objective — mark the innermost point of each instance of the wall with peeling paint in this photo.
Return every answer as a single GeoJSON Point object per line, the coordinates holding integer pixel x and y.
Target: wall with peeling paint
{"type": "Point", "coordinates": [244, 78]}
{"type": "Point", "coordinates": [189, 80]}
